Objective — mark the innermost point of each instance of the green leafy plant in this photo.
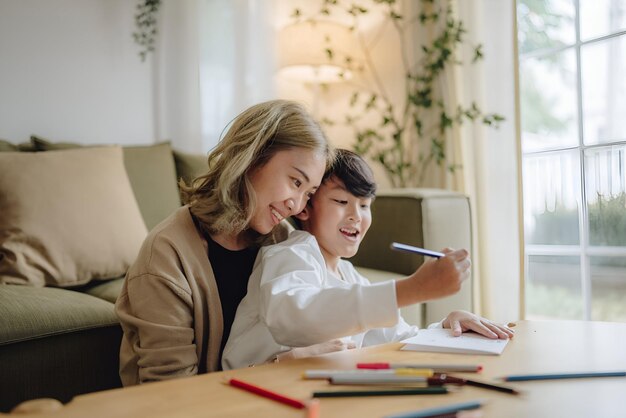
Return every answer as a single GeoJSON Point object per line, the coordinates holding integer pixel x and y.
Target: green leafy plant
{"type": "Point", "coordinates": [556, 227]}
{"type": "Point", "coordinates": [146, 25]}
{"type": "Point", "coordinates": [607, 220]}
{"type": "Point", "coordinates": [405, 138]}
{"type": "Point", "coordinates": [607, 223]}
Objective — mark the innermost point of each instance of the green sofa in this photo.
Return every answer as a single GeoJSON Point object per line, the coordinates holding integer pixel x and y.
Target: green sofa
{"type": "Point", "coordinates": [61, 341]}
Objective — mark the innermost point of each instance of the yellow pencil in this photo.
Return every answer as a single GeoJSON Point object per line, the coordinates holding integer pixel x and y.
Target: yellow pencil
{"type": "Point", "coordinates": [414, 372]}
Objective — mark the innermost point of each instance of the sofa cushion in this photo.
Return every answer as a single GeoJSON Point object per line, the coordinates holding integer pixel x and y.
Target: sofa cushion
{"type": "Point", "coordinates": [190, 166]}
{"type": "Point", "coordinates": [42, 312]}
{"type": "Point", "coordinates": [151, 172]}
{"type": "Point", "coordinates": [153, 176]}
{"type": "Point", "coordinates": [66, 217]}
{"type": "Point", "coordinates": [108, 290]}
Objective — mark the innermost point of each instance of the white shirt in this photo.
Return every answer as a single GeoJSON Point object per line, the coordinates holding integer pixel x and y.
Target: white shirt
{"type": "Point", "coordinates": [293, 301]}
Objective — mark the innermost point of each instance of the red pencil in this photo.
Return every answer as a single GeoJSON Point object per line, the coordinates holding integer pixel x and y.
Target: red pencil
{"type": "Point", "coordinates": [267, 394]}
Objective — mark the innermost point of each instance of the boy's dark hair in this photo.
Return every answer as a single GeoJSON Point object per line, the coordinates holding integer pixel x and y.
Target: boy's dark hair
{"type": "Point", "coordinates": [354, 172]}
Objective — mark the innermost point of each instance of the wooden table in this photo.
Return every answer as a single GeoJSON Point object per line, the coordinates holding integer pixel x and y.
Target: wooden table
{"type": "Point", "coordinates": [539, 347]}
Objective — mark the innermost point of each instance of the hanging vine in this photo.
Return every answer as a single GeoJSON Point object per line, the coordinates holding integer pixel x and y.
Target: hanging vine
{"type": "Point", "coordinates": [408, 137]}
{"type": "Point", "coordinates": [146, 26]}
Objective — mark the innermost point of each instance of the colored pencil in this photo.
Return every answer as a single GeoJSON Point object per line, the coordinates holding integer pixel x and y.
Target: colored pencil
{"type": "Point", "coordinates": [438, 411]}
{"type": "Point", "coordinates": [437, 368]}
{"type": "Point", "coordinates": [417, 250]}
{"type": "Point", "coordinates": [369, 379]}
{"type": "Point", "coordinates": [524, 377]}
{"type": "Point", "coordinates": [491, 386]}
{"type": "Point", "coordinates": [383, 392]}
{"type": "Point", "coordinates": [461, 414]}
{"type": "Point", "coordinates": [313, 409]}
{"type": "Point", "coordinates": [267, 393]}
{"type": "Point", "coordinates": [327, 374]}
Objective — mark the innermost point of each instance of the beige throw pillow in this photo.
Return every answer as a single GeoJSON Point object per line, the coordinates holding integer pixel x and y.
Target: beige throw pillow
{"type": "Point", "coordinates": [67, 217]}
{"type": "Point", "coordinates": [151, 172]}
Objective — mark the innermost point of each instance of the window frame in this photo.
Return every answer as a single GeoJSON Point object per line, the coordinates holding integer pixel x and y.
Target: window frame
{"type": "Point", "coordinates": [583, 250]}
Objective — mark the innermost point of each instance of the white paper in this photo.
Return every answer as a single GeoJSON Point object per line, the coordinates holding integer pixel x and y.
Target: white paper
{"type": "Point", "coordinates": [442, 341]}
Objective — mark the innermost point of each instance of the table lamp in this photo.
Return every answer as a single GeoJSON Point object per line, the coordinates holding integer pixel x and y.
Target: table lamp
{"type": "Point", "coordinates": [317, 52]}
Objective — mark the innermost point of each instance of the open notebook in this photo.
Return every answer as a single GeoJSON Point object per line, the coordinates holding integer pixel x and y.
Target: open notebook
{"type": "Point", "coordinates": [442, 341]}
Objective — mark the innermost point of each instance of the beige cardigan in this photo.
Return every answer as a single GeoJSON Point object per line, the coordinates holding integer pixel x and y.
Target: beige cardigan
{"type": "Point", "coordinates": [169, 307]}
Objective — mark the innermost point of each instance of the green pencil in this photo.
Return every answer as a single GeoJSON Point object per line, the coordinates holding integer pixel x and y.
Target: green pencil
{"type": "Point", "coordinates": [436, 390]}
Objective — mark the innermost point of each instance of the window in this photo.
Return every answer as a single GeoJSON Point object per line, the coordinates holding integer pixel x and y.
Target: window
{"type": "Point", "coordinates": [572, 66]}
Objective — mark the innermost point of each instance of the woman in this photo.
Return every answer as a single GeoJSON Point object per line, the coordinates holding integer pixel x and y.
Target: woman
{"type": "Point", "coordinates": [180, 296]}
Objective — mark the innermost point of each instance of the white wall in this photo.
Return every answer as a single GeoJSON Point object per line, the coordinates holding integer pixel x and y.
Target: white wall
{"type": "Point", "coordinates": [70, 70]}
{"type": "Point", "coordinates": [177, 88]}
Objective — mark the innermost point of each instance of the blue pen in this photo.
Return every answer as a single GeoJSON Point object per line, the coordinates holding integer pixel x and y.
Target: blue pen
{"type": "Point", "coordinates": [417, 250]}
{"type": "Point", "coordinates": [432, 412]}
{"type": "Point", "coordinates": [523, 377]}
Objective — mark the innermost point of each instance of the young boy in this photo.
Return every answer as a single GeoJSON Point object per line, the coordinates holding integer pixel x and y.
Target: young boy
{"type": "Point", "coordinates": [303, 299]}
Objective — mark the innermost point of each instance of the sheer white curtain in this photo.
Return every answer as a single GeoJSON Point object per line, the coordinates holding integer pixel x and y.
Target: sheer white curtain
{"type": "Point", "coordinates": [214, 59]}
{"type": "Point", "coordinates": [490, 157]}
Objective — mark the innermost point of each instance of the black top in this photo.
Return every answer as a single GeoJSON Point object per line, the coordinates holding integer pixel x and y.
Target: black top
{"type": "Point", "coordinates": [232, 271]}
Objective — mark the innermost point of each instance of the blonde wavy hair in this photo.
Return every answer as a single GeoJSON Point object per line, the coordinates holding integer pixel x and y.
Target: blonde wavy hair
{"type": "Point", "coordinates": [223, 199]}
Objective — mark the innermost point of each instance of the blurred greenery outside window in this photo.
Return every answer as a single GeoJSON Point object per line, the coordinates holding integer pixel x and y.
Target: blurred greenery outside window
{"type": "Point", "coordinates": [572, 61]}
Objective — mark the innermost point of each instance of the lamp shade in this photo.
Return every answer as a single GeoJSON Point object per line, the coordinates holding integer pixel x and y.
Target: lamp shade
{"type": "Point", "coordinates": [316, 51]}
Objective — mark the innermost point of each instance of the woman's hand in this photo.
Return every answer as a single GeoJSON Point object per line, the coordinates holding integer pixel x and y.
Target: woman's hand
{"type": "Point", "coordinates": [461, 321]}
{"type": "Point", "coordinates": [315, 350]}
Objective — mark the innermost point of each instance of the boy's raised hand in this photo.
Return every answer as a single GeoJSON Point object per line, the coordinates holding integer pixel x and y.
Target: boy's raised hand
{"type": "Point", "coordinates": [435, 279]}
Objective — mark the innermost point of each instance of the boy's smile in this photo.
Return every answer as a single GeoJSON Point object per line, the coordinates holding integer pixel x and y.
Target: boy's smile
{"type": "Point", "coordinates": [338, 219]}
{"type": "Point", "coordinates": [350, 233]}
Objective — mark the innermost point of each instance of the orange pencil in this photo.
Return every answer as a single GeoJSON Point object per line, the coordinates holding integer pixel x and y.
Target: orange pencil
{"type": "Point", "coordinates": [313, 410]}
